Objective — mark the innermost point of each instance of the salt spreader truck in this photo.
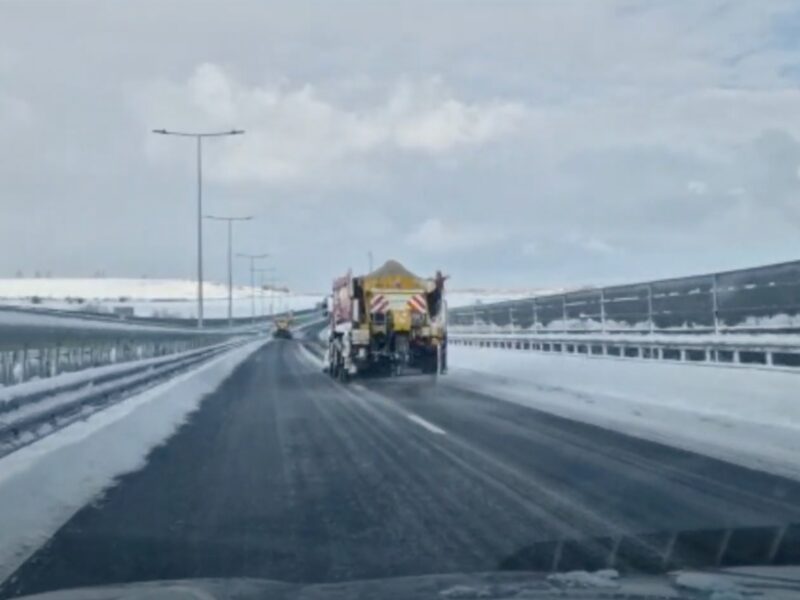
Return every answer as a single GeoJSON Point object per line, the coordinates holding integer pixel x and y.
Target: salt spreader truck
{"type": "Point", "coordinates": [387, 322]}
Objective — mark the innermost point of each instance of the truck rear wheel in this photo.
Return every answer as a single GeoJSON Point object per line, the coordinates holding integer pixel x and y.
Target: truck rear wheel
{"type": "Point", "coordinates": [428, 364]}
{"type": "Point", "coordinates": [333, 364]}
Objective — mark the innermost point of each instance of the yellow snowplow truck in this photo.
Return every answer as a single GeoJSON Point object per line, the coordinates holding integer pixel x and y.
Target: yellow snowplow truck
{"type": "Point", "coordinates": [282, 329]}
{"type": "Point", "coordinates": [387, 322]}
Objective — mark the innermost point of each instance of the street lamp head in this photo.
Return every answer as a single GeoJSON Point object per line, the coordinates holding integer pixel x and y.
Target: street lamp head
{"type": "Point", "coordinates": [237, 131]}
{"type": "Point", "coordinates": [161, 131]}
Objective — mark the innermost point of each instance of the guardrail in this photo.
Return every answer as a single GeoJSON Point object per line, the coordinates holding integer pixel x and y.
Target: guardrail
{"type": "Point", "coordinates": [773, 354]}
{"type": "Point", "coordinates": [165, 321]}
{"type": "Point", "coordinates": [27, 417]}
{"type": "Point", "coordinates": [36, 344]}
{"type": "Point", "coordinates": [758, 300]}
{"type": "Point", "coordinates": [749, 317]}
{"type": "Point", "coordinates": [659, 552]}
{"type": "Point", "coordinates": [222, 322]}
{"type": "Point", "coordinates": [43, 345]}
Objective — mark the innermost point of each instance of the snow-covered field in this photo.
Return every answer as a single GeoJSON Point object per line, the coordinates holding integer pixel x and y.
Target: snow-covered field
{"type": "Point", "coordinates": [47, 482]}
{"type": "Point", "coordinates": [177, 297]}
{"type": "Point", "coordinates": [746, 416]}
{"type": "Point", "coordinates": [149, 297]}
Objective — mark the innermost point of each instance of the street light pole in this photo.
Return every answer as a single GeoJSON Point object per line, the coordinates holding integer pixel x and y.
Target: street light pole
{"type": "Point", "coordinates": [253, 258]}
{"type": "Point", "coordinates": [230, 221]}
{"type": "Point", "coordinates": [199, 138]}
{"type": "Point", "coordinates": [199, 232]}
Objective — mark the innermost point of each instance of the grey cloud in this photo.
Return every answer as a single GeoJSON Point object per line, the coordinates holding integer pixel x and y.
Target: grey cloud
{"type": "Point", "coordinates": [622, 109]}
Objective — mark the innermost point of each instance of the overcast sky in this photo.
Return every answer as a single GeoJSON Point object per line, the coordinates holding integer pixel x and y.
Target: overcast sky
{"type": "Point", "coordinates": [515, 144]}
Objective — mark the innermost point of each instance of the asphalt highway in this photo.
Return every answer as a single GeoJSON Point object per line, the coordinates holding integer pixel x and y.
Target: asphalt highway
{"type": "Point", "coordinates": [285, 474]}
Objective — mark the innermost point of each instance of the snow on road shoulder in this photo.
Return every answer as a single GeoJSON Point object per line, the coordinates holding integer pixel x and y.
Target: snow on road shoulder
{"type": "Point", "coordinates": [44, 484]}
{"type": "Point", "coordinates": [747, 416]}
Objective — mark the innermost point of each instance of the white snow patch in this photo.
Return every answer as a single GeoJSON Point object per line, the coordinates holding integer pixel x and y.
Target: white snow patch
{"type": "Point", "coordinates": [708, 583]}
{"type": "Point", "coordinates": [605, 578]}
{"type": "Point", "coordinates": [44, 484]}
{"type": "Point", "coordinates": [311, 357]}
{"type": "Point", "coordinates": [460, 591]}
{"type": "Point", "coordinates": [747, 416]}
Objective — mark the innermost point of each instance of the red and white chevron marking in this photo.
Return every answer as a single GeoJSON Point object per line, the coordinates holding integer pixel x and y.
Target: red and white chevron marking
{"type": "Point", "coordinates": [378, 304]}
{"type": "Point", "coordinates": [417, 303]}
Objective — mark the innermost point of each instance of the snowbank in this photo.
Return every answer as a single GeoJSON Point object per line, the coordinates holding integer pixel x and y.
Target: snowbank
{"type": "Point", "coordinates": [44, 484]}
{"type": "Point", "coordinates": [149, 297]}
{"type": "Point", "coordinates": [114, 288]}
{"type": "Point", "coordinates": [747, 416]}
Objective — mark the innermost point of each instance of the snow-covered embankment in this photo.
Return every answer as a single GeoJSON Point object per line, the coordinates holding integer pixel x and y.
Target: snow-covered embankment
{"type": "Point", "coordinates": [747, 416]}
{"type": "Point", "coordinates": [44, 484]}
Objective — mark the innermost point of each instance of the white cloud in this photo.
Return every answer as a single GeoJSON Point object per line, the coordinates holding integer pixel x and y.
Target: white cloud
{"type": "Point", "coordinates": [434, 123]}
{"type": "Point", "coordinates": [590, 243]}
{"type": "Point", "coordinates": [297, 134]}
{"type": "Point", "coordinates": [698, 188]}
{"type": "Point", "coordinates": [436, 235]}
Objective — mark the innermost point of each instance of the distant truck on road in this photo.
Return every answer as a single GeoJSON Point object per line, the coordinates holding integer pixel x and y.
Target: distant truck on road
{"type": "Point", "coordinates": [386, 322]}
{"type": "Point", "coordinates": [282, 329]}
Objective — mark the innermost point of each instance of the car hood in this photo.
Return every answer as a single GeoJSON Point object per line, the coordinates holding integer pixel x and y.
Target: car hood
{"type": "Point", "coordinates": [727, 584]}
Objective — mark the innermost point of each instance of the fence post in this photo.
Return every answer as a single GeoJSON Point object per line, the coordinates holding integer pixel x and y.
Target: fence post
{"type": "Point", "coordinates": [602, 310]}
{"type": "Point", "coordinates": [564, 313]}
{"type": "Point", "coordinates": [25, 364]}
{"type": "Point", "coordinates": [715, 302]}
{"type": "Point", "coordinates": [650, 306]}
{"type": "Point", "coordinates": [511, 317]}
{"type": "Point", "coordinates": [535, 317]}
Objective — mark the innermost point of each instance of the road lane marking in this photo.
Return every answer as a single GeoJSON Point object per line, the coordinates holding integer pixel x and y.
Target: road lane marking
{"type": "Point", "coordinates": [391, 405]}
{"type": "Point", "coordinates": [426, 424]}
